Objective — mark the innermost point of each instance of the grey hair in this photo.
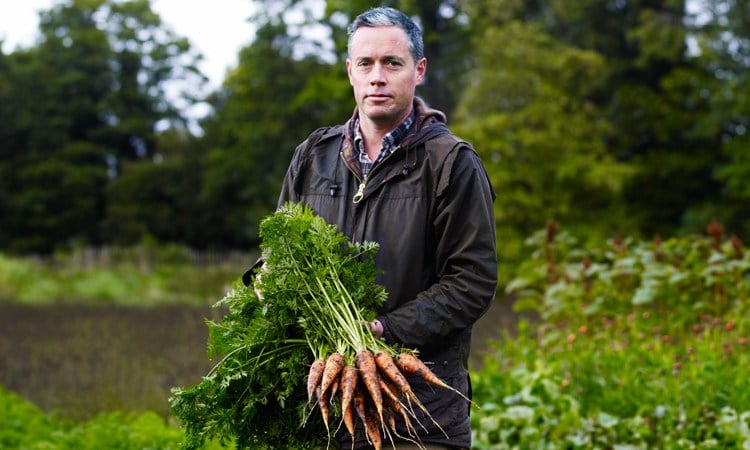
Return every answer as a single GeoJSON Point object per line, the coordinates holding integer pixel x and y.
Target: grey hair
{"type": "Point", "coordinates": [389, 17]}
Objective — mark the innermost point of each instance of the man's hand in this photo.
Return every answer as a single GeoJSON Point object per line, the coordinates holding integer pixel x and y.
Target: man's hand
{"type": "Point", "coordinates": [376, 328]}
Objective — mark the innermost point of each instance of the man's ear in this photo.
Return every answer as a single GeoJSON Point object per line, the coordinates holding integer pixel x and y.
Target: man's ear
{"type": "Point", "coordinates": [421, 69]}
{"type": "Point", "coordinates": [349, 70]}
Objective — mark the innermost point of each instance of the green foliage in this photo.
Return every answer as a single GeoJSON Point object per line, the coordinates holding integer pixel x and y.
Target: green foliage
{"type": "Point", "coordinates": [326, 281]}
{"type": "Point", "coordinates": [637, 345]}
{"type": "Point", "coordinates": [531, 399]}
{"type": "Point", "coordinates": [23, 426]}
{"type": "Point", "coordinates": [87, 98]}
{"type": "Point", "coordinates": [256, 394]}
{"type": "Point", "coordinates": [541, 135]}
{"type": "Point", "coordinates": [143, 275]}
{"type": "Point", "coordinates": [22, 423]}
{"type": "Point", "coordinates": [690, 276]}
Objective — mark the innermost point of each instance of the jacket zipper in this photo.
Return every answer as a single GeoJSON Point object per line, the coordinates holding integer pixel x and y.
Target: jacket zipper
{"type": "Point", "coordinates": [361, 189]}
{"type": "Point", "coordinates": [360, 192]}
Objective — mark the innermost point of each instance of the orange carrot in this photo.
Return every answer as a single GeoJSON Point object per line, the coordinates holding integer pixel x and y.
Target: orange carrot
{"type": "Point", "coordinates": [410, 364]}
{"type": "Point", "coordinates": [389, 395]}
{"type": "Point", "coordinates": [368, 372]}
{"type": "Point", "coordinates": [348, 418]}
{"type": "Point", "coordinates": [335, 385]}
{"type": "Point", "coordinates": [314, 377]}
{"type": "Point", "coordinates": [359, 403]}
{"type": "Point", "coordinates": [388, 367]}
{"type": "Point", "coordinates": [394, 404]}
{"type": "Point", "coordinates": [394, 375]}
{"type": "Point", "coordinates": [334, 364]}
{"type": "Point", "coordinates": [349, 378]}
{"type": "Point", "coordinates": [359, 406]}
{"type": "Point", "coordinates": [324, 402]}
{"type": "Point", "coordinates": [372, 430]}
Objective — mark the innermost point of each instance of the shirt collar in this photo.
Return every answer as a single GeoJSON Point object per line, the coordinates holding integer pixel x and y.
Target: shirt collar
{"type": "Point", "coordinates": [392, 139]}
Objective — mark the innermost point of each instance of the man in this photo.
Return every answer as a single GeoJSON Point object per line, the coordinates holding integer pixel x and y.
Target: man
{"type": "Point", "coordinates": [394, 174]}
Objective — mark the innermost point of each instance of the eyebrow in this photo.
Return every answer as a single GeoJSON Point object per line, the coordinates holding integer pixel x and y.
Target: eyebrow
{"type": "Point", "coordinates": [384, 58]}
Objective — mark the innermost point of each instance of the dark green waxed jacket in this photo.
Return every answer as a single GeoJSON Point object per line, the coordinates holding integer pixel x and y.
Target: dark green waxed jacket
{"type": "Point", "coordinates": [429, 206]}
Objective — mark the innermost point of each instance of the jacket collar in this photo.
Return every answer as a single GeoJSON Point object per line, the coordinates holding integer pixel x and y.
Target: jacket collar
{"type": "Point", "coordinates": [429, 124]}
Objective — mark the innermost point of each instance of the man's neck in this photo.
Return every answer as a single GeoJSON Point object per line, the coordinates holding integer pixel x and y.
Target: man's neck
{"type": "Point", "coordinates": [374, 132]}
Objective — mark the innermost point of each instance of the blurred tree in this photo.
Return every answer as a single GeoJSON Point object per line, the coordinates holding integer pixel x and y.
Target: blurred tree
{"type": "Point", "coordinates": [53, 173]}
{"type": "Point", "coordinates": [650, 102]}
{"type": "Point", "coordinates": [146, 57]}
{"type": "Point", "coordinates": [160, 198]}
{"type": "Point", "coordinates": [657, 106]}
{"type": "Point", "coordinates": [88, 96]}
{"type": "Point", "coordinates": [722, 39]}
{"type": "Point", "coordinates": [531, 115]}
{"type": "Point", "coordinates": [275, 97]}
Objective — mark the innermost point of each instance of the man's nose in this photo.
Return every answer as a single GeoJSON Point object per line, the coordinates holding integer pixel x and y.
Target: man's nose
{"type": "Point", "coordinates": [377, 75]}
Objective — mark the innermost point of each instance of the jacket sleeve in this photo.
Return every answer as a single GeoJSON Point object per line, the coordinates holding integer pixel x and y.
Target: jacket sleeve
{"type": "Point", "coordinates": [464, 254]}
{"type": "Point", "coordinates": [289, 187]}
{"type": "Point", "coordinates": [289, 192]}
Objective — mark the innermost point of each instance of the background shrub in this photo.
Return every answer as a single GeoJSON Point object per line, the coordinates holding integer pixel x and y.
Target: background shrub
{"type": "Point", "coordinates": [638, 345]}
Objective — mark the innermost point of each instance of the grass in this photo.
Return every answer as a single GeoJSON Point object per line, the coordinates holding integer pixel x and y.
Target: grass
{"type": "Point", "coordinates": [139, 276]}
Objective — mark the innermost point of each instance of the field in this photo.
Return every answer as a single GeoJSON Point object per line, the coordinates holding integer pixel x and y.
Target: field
{"type": "Point", "coordinates": [78, 361]}
{"type": "Point", "coordinates": [623, 345]}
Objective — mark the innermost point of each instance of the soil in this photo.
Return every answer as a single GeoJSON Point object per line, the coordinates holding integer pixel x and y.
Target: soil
{"type": "Point", "coordinates": [77, 361]}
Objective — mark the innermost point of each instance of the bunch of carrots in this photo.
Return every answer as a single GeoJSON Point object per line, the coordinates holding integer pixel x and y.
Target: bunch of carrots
{"type": "Point", "coordinates": [363, 373]}
{"type": "Point", "coordinates": [372, 389]}
{"type": "Point", "coordinates": [353, 374]}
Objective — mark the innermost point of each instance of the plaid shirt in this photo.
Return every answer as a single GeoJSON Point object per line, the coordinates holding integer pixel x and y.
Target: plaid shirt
{"type": "Point", "coordinates": [390, 142]}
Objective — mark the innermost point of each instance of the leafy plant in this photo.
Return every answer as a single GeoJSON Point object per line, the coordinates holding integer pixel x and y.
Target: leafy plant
{"type": "Point", "coordinates": [24, 426]}
{"type": "Point", "coordinates": [637, 345]}
{"type": "Point", "coordinates": [685, 277]}
{"type": "Point", "coordinates": [256, 394]}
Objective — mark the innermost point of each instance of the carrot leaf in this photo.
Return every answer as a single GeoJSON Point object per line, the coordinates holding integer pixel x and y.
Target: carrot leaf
{"type": "Point", "coordinates": [318, 289]}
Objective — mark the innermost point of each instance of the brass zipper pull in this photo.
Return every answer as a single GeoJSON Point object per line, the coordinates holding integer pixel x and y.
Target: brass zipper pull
{"type": "Point", "coordinates": [360, 193]}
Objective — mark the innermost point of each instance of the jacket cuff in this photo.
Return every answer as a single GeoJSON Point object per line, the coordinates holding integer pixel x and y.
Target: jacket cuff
{"type": "Point", "coordinates": [387, 336]}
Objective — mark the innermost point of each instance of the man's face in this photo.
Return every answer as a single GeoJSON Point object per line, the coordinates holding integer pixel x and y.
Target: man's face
{"type": "Point", "coordinates": [383, 74]}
